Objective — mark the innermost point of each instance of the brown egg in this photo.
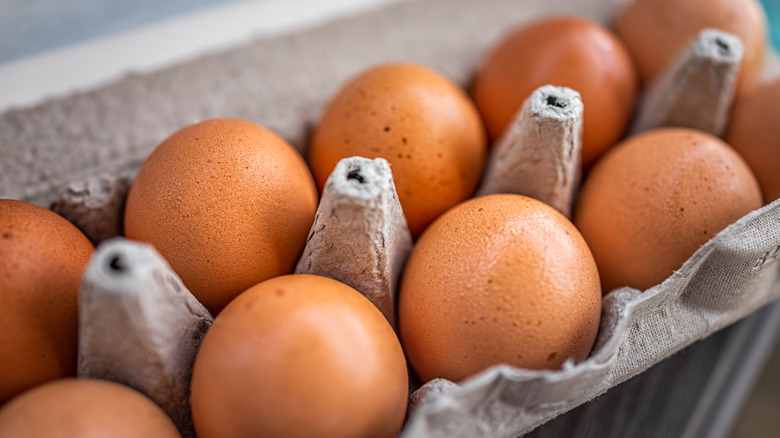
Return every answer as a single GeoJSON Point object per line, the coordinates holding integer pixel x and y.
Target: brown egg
{"type": "Point", "coordinates": [655, 31]}
{"type": "Point", "coordinates": [228, 203]}
{"type": "Point", "coordinates": [84, 408]}
{"type": "Point", "coordinates": [419, 121]}
{"type": "Point", "coordinates": [653, 200]}
{"type": "Point", "coordinates": [299, 356]}
{"type": "Point", "coordinates": [42, 257]}
{"type": "Point", "coordinates": [501, 279]}
{"type": "Point", "coordinates": [562, 51]}
{"type": "Point", "coordinates": [755, 133]}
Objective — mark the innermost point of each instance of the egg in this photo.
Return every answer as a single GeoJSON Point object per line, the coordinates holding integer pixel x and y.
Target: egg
{"type": "Point", "coordinates": [84, 408]}
{"type": "Point", "coordinates": [653, 200]}
{"type": "Point", "coordinates": [562, 51]}
{"type": "Point", "coordinates": [656, 31]}
{"type": "Point", "coordinates": [42, 257]}
{"type": "Point", "coordinates": [299, 356]}
{"type": "Point", "coordinates": [755, 133]}
{"type": "Point", "coordinates": [420, 122]}
{"type": "Point", "coordinates": [227, 202]}
{"type": "Point", "coordinates": [501, 279]}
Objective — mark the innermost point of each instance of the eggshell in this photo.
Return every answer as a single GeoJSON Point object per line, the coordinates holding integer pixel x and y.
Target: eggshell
{"type": "Point", "coordinates": [501, 279]}
{"type": "Point", "coordinates": [655, 31]}
{"type": "Point", "coordinates": [562, 51]}
{"type": "Point", "coordinates": [416, 119]}
{"type": "Point", "coordinates": [227, 202]}
{"type": "Point", "coordinates": [84, 408]}
{"type": "Point", "coordinates": [755, 133]}
{"type": "Point", "coordinates": [42, 257]}
{"type": "Point", "coordinates": [653, 200]}
{"type": "Point", "coordinates": [299, 356]}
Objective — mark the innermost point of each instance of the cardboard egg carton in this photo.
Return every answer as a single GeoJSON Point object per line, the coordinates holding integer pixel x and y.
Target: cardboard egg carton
{"type": "Point", "coordinates": [82, 150]}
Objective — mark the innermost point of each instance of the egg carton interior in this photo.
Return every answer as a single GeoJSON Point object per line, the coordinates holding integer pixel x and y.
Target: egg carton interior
{"type": "Point", "coordinates": [78, 155]}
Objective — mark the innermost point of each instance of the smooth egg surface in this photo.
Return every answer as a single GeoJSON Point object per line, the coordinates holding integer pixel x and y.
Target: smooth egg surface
{"type": "Point", "coordinates": [423, 124]}
{"type": "Point", "coordinates": [755, 133]}
{"type": "Point", "coordinates": [656, 31]}
{"type": "Point", "coordinates": [501, 279]}
{"type": "Point", "coordinates": [651, 202]}
{"type": "Point", "coordinates": [42, 257]}
{"type": "Point", "coordinates": [227, 202]}
{"type": "Point", "coordinates": [299, 356]}
{"type": "Point", "coordinates": [84, 408]}
{"type": "Point", "coordinates": [561, 51]}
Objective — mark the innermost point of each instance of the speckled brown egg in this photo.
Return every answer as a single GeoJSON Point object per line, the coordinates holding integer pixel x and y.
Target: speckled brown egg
{"type": "Point", "coordinates": [562, 51]}
{"type": "Point", "coordinates": [299, 356]}
{"type": "Point", "coordinates": [655, 31]}
{"type": "Point", "coordinates": [42, 257]}
{"type": "Point", "coordinates": [227, 202]}
{"type": "Point", "coordinates": [419, 121]}
{"type": "Point", "coordinates": [501, 279]}
{"type": "Point", "coordinates": [755, 133]}
{"type": "Point", "coordinates": [84, 408]}
{"type": "Point", "coordinates": [653, 200]}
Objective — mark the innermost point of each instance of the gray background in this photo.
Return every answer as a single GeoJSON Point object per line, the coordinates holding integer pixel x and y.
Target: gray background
{"type": "Point", "coordinates": [29, 27]}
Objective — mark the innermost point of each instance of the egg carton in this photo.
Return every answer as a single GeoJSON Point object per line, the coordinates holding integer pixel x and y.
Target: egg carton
{"type": "Point", "coordinates": [79, 154]}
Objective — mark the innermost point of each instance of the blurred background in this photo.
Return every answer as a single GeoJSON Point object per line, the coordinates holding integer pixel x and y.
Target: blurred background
{"type": "Point", "coordinates": [35, 26]}
{"type": "Point", "coordinates": [52, 47]}
{"type": "Point", "coordinates": [94, 41]}
{"type": "Point", "coordinates": [31, 27]}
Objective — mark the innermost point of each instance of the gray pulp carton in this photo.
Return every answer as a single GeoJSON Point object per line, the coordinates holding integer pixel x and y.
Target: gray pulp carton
{"type": "Point", "coordinates": [283, 83]}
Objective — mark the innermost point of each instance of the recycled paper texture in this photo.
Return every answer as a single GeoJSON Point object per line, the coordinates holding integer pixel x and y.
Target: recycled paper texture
{"type": "Point", "coordinates": [283, 82]}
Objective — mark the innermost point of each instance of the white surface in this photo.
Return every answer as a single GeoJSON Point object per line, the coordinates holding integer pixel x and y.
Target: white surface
{"type": "Point", "coordinates": [84, 66]}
